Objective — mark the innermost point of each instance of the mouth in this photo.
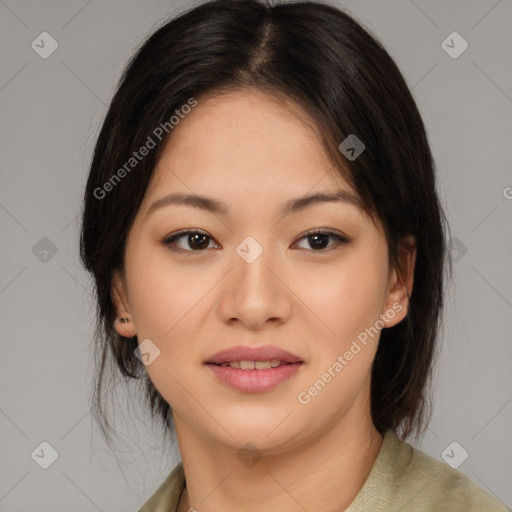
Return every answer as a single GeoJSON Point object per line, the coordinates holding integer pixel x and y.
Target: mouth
{"type": "Point", "coordinates": [254, 379]}
{"type": "Point", "coordinates": [254, 370]}
{"type": "Point", "coordinates": [253, 358]}
{"type": "Point", "coordinates": [255, 365]}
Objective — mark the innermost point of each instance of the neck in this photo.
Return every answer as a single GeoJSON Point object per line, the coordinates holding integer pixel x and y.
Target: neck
{"type": "Point", "coordinates": [324, 473]}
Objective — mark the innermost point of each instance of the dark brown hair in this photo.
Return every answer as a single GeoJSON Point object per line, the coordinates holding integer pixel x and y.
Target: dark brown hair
{"type": "Point", "coordinates": [320, 57]}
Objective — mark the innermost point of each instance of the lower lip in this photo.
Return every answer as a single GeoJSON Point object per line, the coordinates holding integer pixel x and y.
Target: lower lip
{"type": "Point", "coordinates": [254, 381]}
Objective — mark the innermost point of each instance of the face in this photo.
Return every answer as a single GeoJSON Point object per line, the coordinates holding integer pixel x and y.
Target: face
{"type": "Point", "coordinates": [255, 274]}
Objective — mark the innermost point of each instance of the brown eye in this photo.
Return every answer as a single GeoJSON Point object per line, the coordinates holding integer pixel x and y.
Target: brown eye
{"type": "Point", "coordinates": [197, 241]}
{"type": "Point", "coordinates": [319, 240]}
{"type": "Point", "coordinates": [194, 240]}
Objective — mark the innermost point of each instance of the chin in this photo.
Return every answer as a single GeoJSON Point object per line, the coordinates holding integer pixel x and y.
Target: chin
{"type": "Point", "coordinates": [266, 432]}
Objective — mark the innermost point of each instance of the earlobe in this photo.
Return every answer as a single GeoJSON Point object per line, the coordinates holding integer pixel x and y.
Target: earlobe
{"type": "Point", "coordinates": [401, 285]}
{"type": "Point", "coordinates": [123, 322]}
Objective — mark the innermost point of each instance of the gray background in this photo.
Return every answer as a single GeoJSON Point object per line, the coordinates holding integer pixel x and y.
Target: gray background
{"type": "Point", "coordinates": [51, 111]}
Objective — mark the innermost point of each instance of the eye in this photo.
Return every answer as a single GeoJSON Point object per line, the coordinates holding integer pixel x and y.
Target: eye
{"type": "Point", "coordinates": [318, 239]}
{"type": "Point", "coordinates": [197, 240]}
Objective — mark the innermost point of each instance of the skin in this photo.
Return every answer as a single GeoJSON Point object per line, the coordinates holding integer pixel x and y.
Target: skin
{"type": "Point", "coordinates": [255, 153]}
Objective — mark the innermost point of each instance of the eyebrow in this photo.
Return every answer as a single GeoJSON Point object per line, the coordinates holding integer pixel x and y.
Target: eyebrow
{"type": "Point", "coordinates": [218, 207]}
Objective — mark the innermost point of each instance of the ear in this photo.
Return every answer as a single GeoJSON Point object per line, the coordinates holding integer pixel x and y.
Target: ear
{"type": "Point", "coordinates": [400, 286]}
{"type": "Point", "coordinates": [120, 299]}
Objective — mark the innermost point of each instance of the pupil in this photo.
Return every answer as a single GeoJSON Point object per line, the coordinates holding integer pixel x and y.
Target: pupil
{"type": "Point", "coordinates": [322, 243]}
{"type": "Point", "coordinates": [194, 237]}
{"type": "Point", "coordinates": [319, 240]}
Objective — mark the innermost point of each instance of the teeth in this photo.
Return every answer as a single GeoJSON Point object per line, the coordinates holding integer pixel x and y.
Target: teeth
{"type": "Point", "coordinates": [251, 365]}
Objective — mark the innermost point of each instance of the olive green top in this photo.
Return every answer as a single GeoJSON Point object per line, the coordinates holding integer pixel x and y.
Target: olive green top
{"type": "Point", "coordinates": [402, 479]}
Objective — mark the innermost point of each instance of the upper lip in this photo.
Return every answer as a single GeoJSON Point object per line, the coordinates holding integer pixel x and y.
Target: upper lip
{"type": "Point", "coordinates": [245, 353]}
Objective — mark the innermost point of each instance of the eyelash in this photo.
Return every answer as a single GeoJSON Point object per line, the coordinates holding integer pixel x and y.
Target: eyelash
{"type": "Point", "coordinates": [168, 241]}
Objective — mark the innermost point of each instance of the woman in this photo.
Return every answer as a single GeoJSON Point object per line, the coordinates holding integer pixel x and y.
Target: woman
{"type": "Point", "coordinates": [262, 223]}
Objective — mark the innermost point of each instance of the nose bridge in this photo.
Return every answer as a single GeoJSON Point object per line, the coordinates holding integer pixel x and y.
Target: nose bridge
{"type": "Point", "coordinates": [252, 269]}
{"type": "Point", "coordinates": [254, 294]}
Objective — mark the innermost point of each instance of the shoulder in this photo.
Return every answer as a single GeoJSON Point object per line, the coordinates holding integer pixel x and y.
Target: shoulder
{"type": "Point", "coordinates": [446, 488]}
{"type": "Point", "coordinates": [407, 479]}
{"type": "Point", "coordinates": [167, 497]}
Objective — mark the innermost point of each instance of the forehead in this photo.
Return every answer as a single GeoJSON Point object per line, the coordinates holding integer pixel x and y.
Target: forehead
{"type": "Point", "coordinates": [248, 142]}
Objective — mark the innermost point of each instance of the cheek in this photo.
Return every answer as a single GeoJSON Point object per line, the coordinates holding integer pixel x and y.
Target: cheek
{"type": "Point", "coordinates": [348, 300]}
{"type": "Point", "coordinates": [166, 300]}
{"type": "Point", "coordinates": [160, 293]}
{"type": "Point", "coordinates": [347, 297]}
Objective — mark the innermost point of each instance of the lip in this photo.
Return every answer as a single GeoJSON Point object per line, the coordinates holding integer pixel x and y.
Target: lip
{"type": "Point", "coordinates": [245, 353]}
{"type": "Point", "coordinates": [254, 381]}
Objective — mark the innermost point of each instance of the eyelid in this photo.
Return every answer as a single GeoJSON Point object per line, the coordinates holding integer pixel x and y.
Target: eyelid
{"type": "Point", "coordinates": [168, 240]}
{"type": "Point", "coordinates": [340, 237]}
{"type": "Point", "coordinates": [326, 231]}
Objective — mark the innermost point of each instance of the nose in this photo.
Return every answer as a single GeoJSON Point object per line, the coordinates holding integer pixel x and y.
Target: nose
{"type": "Point", "coordinates": [255, 294]}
